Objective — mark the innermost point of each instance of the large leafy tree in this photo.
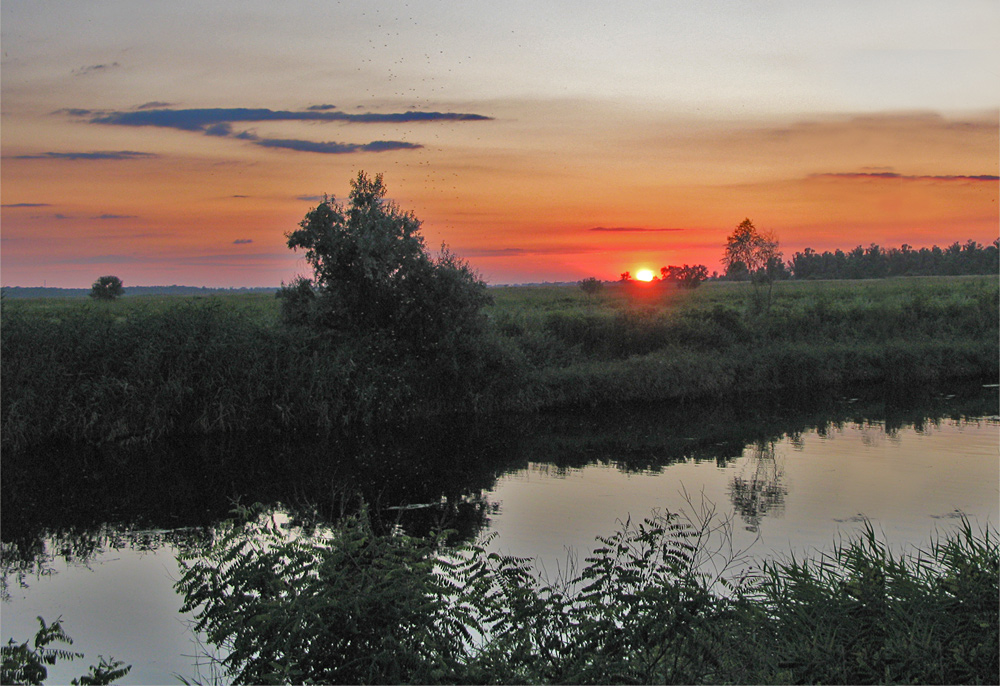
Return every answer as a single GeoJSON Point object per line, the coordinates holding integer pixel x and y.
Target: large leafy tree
{"type": "Point", "coordinates": [373, 273]}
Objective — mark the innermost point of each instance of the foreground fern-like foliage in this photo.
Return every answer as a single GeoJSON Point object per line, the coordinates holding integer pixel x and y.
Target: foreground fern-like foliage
{"type": "Point", "coordinates": [655, 603]}
{"type": "Point", "coordinates": [22, 664]}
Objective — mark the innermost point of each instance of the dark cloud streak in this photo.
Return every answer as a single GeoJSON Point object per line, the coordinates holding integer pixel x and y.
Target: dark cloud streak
{"type": "Point", "coordinates": [332, 148]}
{"type": "Point", "coordinates": [219, 122]}
{"type": "Point", "coordinates": [97, 155]}
{"type": "Point", "coordinates": [95, 68]}
{"type": "Point", "coordinates": [629, 229]}
{"type": "Point", "coordinates": [521, 252]}
{"type": "Point", "coordinates": [905, 177]}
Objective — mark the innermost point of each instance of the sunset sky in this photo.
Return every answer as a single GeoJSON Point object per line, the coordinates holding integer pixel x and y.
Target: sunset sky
{"type": "Point", "coordinates": [176, 143]}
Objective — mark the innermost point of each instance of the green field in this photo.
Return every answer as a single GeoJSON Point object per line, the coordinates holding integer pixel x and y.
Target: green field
{"type": "Point", "coordinates": [143, 367]}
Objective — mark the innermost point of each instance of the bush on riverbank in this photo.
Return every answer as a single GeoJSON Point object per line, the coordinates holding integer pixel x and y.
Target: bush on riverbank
{"type": "Point", "coordinates": [78, 371]}
{"type": "Point", "coordinates": [353, 606]}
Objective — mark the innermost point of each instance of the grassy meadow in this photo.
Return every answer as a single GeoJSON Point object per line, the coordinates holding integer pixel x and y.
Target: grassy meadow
{"type": "Point", "coordinates": [143, 367]}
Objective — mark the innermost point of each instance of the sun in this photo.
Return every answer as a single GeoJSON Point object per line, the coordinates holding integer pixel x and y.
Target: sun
{"type": "Point", "coordinates": [644, 275]}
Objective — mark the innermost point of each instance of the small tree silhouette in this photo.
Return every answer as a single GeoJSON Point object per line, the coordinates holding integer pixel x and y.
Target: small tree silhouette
{"type": "Point", "coordinates": [107, 288]}
{"type": "Point", "coordinates": [757, 252]}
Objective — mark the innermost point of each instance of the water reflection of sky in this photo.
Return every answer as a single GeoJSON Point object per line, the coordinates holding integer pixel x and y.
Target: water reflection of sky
{"type": "Point", "coordinates": [120, 604]}
{"type": "Point", "coordinates": [801, 492]}
{"type": "Point", "coordinates": [908, 483]}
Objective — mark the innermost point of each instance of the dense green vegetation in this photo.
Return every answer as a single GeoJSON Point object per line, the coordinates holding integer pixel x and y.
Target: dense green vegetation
{"type": "Point", "coordinates": [657, 602]}
{"type": "Point", "coordinates": [137, 369]}
{"type": "Point", "coordinates": [647, 343]}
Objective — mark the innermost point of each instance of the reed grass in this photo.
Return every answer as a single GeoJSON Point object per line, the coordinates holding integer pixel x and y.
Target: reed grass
{"type": "Point", "coordinates": [139, 368]}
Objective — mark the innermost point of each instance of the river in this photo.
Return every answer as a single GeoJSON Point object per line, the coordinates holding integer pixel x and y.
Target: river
{"type": "Point", "coordinates": [95, 543]}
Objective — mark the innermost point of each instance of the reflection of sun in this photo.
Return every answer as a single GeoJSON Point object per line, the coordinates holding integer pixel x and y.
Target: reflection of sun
{"type": "Point", "coordinates": [644, 275]}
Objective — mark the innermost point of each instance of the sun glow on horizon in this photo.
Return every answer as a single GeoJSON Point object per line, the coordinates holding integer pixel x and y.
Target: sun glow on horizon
{"type": "Point", "coordinates": [644, 275]}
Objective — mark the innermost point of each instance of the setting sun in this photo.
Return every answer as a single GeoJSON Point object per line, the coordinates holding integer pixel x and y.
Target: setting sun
{"type": "Point", "coordinates": [644, 275]}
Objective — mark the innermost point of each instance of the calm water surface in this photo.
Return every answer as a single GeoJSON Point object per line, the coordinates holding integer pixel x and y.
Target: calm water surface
{"type": "Point", "coordinates": [793, 495]}
{"type": "Point", "coordinates": [790, 485]}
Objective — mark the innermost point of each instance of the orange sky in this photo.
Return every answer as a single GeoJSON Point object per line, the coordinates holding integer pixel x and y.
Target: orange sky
{"type": "Point", "coordinates": [577, 161]}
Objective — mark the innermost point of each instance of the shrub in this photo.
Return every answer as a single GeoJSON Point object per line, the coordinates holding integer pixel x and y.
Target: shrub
{"type": "Point", "coordinates": [591, 285]}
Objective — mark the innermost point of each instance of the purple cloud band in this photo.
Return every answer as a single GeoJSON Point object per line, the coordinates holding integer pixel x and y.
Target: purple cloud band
{"type": "Point", "coordinates": [218, 121]}
{"type": "Point", "coordinates": [203, 119]}
{"type": "Point", "coordinates": [97, 155]}
{"type": "Point", "coordinates": [629, 229]}
{"type": "Point", "coordinates": [906, 177]}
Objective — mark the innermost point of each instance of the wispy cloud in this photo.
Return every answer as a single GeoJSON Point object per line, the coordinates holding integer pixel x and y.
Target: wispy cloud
{"type": "Point", "coordinates": [101, 259]}
{"type": "Point", "coordinates": [882, 175]}
{"type": "Point", "coordinates": [309, 198]}
{"type": "Point", "coordinates": [320, 108]}
{"type": "Point", "coordinates": [239, 259]}
{"type": "Point", "coordinates": [153, 105]}
{"type": "Point", "coordinates": [520, 252]}
{"type": "Point", "coordinates": [629, 229]}
{"type": "Point", "coordinates": [115, 216]}
{"type": "Point", "coordinates": [74, 112]}
{"type": "Point", "coordinates": [97, 155]}
{"type": "Point", "coordinates": [27, 204]}
{"type": "Point", "coordinates": [242, 241]}
{"type": "Point", "coordinates": [95, 69]}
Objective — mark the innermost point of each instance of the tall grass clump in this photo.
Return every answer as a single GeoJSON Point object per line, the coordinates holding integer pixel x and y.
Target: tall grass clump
{"type": "Point", "coordinates": [862, 614]}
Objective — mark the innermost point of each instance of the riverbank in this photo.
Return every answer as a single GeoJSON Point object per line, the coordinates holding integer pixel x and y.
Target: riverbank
{"type": "Point", "coordinates": [138, 369]}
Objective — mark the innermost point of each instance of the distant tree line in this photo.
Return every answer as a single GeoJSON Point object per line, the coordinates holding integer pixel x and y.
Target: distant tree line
{"type": "Point", "coordinates": [688, 276]}
{"type": "Point", "coordinates": [875, 262]}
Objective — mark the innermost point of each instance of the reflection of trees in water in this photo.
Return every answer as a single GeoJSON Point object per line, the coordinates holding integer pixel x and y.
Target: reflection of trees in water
{"type": "Point", "coordinates": [421, 478]}
{"type": "Point", "coordinates": [33, 557]}
{"type": "Point", "coordinates": [757, 490]}
{"type": "Point", "coordinates": [38, 555]}
{"type": "Point", "coordinates": [73, 505]}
